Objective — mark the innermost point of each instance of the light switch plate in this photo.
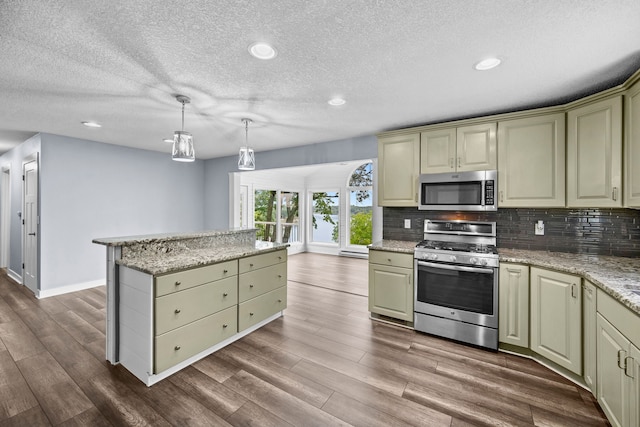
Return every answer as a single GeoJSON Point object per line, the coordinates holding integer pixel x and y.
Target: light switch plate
{"type": "Point", "coordinates": [407, 223]}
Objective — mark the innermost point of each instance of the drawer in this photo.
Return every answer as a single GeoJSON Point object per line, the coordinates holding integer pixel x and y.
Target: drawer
{"type": "Point", "coordinates": [179, 308]}
{"type": "Point", "coordinates": [182, 280]}
{"type": "Point", "coordinates": [255, 283]}
{"type": "Point", "coordinates": [257, 309]}
{"type": "Point", "coordinates": [182, 343]}
{"type": "Point", "coordinates": [395, 259]}
{"type": "Point", "coordinates": [260, 261]}
{"type": "Point", "coordinates": [625, 320]}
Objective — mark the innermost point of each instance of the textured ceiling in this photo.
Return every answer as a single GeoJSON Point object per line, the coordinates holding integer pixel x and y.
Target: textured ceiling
{"type": "Point", "coordinates": [398, 63]}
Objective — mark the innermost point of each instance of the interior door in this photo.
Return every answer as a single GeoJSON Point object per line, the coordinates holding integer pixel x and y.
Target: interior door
{"type": "Point", "coordinates": [30, 224]}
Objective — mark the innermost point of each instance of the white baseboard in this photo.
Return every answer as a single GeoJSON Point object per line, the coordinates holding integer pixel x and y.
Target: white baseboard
{"type": "Point", "coordinates": [69, 288]}
{"type": "Point", "coordinates": [14, 276]}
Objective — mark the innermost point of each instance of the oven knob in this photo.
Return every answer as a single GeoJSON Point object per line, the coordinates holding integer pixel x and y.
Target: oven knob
{"type": "Point", "coordinates": [483, 262]}
{"type": "Point", "coordinates": [433, 257]}
{"type": "Point", "coordinates": [452, 258]}
{"type": "Point", "coordinates": [473, 260]}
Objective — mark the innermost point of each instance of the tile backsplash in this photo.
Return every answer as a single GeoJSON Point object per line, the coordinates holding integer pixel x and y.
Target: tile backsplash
{"type": "Point", "coordinates": [588, 231]}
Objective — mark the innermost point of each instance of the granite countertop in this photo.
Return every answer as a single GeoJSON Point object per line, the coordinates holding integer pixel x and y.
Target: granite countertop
{"type": "Point", "coordinates": [617, 276]}
{"type": "Point", "coordinates": [165, 237]}
{"type": "Point", "coordinates": [158, 264]}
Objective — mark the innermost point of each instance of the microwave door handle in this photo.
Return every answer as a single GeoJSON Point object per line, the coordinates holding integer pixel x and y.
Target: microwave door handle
{"type": "Point", "coordinates": [456, 267]}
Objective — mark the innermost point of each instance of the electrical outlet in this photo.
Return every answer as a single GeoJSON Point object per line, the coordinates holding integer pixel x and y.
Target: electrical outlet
{"type": "Point", "coordinates": [407, 223]}
{"type": "Point", "coordinates": [539, 228]}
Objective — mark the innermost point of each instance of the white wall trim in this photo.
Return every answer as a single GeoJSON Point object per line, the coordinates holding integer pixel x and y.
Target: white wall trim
{"type": "Point", "coordinates": [14, 276]}
{"type": "Point", "coordinates": [46, 293]}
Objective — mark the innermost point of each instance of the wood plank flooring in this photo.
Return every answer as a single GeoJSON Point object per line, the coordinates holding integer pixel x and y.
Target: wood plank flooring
{"type": "Point", "coordinates": [324, 363]}
{"type": "Point", "coordinates": [339, 273]}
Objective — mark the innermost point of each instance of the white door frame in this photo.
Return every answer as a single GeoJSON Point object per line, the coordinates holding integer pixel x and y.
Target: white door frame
{"type": "Point", "coordinates": [5, 217]}
{"type": "Point", "coordinates": [31, 224]}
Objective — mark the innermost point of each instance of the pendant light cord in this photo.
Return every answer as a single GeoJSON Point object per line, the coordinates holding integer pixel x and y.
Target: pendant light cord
{"type": "Point", "coordinates": [182, 115]}
{"type": "Point", "coordinates": [246, 133]}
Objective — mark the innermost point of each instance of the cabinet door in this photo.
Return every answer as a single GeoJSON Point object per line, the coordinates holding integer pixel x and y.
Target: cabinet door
{"type": "Point", "coordinates": [556, 318]}
{"type": "Point", "coordinates": [391, 291]}
{"type": "Point", "coordinates": [438, 151]}
{"type": "Point", "coordinates": [398, 170]}
{"type": "Point", "coordinates": [612, 386]}
{"type": "Point", "coordinates": [632, 147]}
{"type": "Point", "coordinates": [634, 379]}
{"type": "Point", "coordinates": [514, 304]}
{"type": "Point", "coordinates": [476, 147]}
{"type": "Point", "coordinates": [594, 154]}
{"type": "Point", "coordinates": [531, 162]}
{"type": "Point", "coordinates": [589, 334]}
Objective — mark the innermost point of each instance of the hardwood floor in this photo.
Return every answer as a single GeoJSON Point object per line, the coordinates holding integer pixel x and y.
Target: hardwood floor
{"type": "Point", "coordinates": [328, 271]}
{"type": "Point", "coordinates": [324, 363]}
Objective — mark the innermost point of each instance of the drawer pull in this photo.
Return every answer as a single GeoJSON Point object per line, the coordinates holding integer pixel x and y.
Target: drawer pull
{"type": "Point", "coordinates": [225, 325]}
{"type": "Point", "coordinates": [225, 271]}
{"type": "Point", "coordinates": [628, 365]}
{"type": "Point", "coordinates": [178, 283]}
{"type": "Point", "coordinates": [177, 311]}
{"type": "Point", "coordinates": [279, 276]}
{"type": "Point", "coordinates": [389, 259]}
{"type": "Point", "coordinates": [279, 257]}
{"type": "Point", "coordinates": [176, 348]}
{"type": "Point", "coordinates": [279, 300]}
{"type": "Point", "coordinates": [620, 359]}
{"type": "Point", "coordinates": [250, 314]}
{"type": "Point", "coordinates": [225, 294]}
{"type": "Point", "coordinates": [250, 265]}
{"type": "Point", "coordinates": [251, 286]}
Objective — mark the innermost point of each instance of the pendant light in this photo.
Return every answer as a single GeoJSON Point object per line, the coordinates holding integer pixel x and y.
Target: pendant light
{"type": "Point", "coordinates": [183, 141]}
{"type": "Point", "coordinates": [246, 157]}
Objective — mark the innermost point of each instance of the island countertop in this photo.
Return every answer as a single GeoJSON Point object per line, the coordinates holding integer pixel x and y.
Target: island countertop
{"type": "Point", "coordinates": [617, 276]}
{"type": "Point", "coordinates": [163, 263]}
{"type": "Point", "coordinates": [168, 237]}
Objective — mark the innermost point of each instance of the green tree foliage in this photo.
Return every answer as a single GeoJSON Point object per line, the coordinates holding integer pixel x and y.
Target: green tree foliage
{"type": "Point", "coordinates": [265, 211]}
{"type": "Point", "coordinates": [361, 228]}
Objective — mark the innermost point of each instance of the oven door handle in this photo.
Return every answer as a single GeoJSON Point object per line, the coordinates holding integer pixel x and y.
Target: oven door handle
{"type": "Point", "coordinates": [456, 267]}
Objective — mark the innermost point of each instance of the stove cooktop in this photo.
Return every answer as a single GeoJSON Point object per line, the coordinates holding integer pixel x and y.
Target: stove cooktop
{"type": "Point", "coordinates": [475, 248]}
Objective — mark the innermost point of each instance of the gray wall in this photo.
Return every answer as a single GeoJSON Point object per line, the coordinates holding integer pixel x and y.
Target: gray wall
{"type": "Point", "coordinates": [217, 170]}
{"type": "Point", "coordinates": [13, 159]}
{"type": "Point", "coordinates": [89, 190]}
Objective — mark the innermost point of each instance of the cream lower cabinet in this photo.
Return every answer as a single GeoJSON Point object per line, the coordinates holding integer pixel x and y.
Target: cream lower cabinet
{"type": "Point", "coordinates": [514, 304]}
{"type": "Point", "coordinates": [594, 155]}
{"type": "Point", "coordinates": [632, 147]}
{"type": "Point", "coordinates": [398, 170]}
{"type": "Point", "coordinates": [589, 335]}
{"type": "Point", "coordinates": [465, 148]}
{"type": "Point", "coordinates": [531, 162]}
{"type": "Point", "coordinates": [618, 362]}
{"type": "Point", "coordinates": [556, 318]}
{"type": "Point", "coordinates": [391, 284]}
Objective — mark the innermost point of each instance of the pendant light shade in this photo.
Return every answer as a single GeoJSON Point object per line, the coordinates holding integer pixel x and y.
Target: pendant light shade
{"type": "Point", "coordinates": [246, 157]}
{"type": "Point", "coordinates": [183, 150]}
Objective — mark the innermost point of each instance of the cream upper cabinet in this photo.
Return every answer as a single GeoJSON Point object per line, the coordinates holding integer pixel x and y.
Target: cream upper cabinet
{"type": "Point", "coordinates": [594, 154]}
{"type": "Point", "coordinates": [531, 162]}
{"type": "Point", "coordinates": [398, 170]}
{"type": "Point", "coordinates": [438, 151]}
{"type": "Point", "coordinates": [556, 318]}
{"type": "Point", "coordinates": [466, 148]}
{"type": "Point", "coordinates": [514, 304]}
{"type": "Point", "coordinates": [632, 147]}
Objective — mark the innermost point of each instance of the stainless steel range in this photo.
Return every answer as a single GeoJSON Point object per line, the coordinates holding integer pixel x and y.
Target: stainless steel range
{"type": "Point", "coordinates": [456, 282]}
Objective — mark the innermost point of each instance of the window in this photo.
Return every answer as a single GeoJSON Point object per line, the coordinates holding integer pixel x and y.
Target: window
{"type": "Point", "coordinates": [360, 192]}
{"type": "Point", "coordinates": [325, 219]}
{"type": "Point", "coordinates": [276, 216]}
{"type": "Point", "coordinates": [265, 215]}
{"type": "Point", "coordinates": [289, 220]}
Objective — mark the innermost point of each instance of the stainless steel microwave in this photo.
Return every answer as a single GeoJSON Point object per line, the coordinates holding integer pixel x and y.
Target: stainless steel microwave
{"type": "Point", "coordinates": [458, 191]}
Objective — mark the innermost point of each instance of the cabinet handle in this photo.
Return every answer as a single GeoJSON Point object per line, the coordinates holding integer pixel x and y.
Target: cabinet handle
{"type": "Point", "coordinates": [279, 276]}
{"type": "Point", "coordinates": [501, 196]}
{"type": "Point", "coordinates": [451, 162]}
{"type": "Point", "coordinates": [620, 358]}
{"type": "Point", "coordinates": [573, 290]}
{"type": "Point", "coordinates": [389, 259]}
{"type": "Point", "coordinates": [279, 300]}
{"type": "Point", "coordinates": [416, 197]}
{"type": "Point", "coordinates": [178, 283]}
{"type": "Point", "coordinates": [627, 365]}
{"type": "Point", "coordinates": [225, 271]}
{"type": "Point", "coordinates": [225, 294]}
{"type": "Point", "coordinates": [251, 286]}
{"type": "Point", "coordinates": [225, 325]}
{"type": "Point", "coordinates": [177, 311]}
{"type": "Point", "coordinates": [459, 162]}
{"type": "Point", "coordinates": [176, 348]}
{"type": "Point", "coordinates": [279, 257]}
{"type": "Point", "coordinates": [614, 193]}
{"type": "Point", "coordinates": [250, 265]}
{"type": "Point", "coordinates": [250, 314]}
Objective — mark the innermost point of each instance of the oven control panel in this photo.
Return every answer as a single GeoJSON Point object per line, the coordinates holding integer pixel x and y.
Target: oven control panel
{"type": "Point", "coordinates": [446, 257]}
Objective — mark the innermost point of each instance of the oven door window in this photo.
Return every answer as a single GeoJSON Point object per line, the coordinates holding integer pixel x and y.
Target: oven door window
{"type": "Point", "coordinates": [461, 290]}
{"type": "Point", "coordinates": [468, 193]}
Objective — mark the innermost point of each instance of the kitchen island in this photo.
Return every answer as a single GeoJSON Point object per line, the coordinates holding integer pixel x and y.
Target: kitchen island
{"type": "Point", "coordinates": [172, 299]}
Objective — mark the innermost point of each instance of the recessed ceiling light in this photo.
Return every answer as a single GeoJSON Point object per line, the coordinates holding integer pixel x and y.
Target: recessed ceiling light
{"type": "Point", "coordinates": [336, 102]}
{"type": "Point", "coordinates": [92, 124]}
{"type": "Point", "coordinates": [262, 50]}
{"type": "Point", "coordinates": [487, 64]}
